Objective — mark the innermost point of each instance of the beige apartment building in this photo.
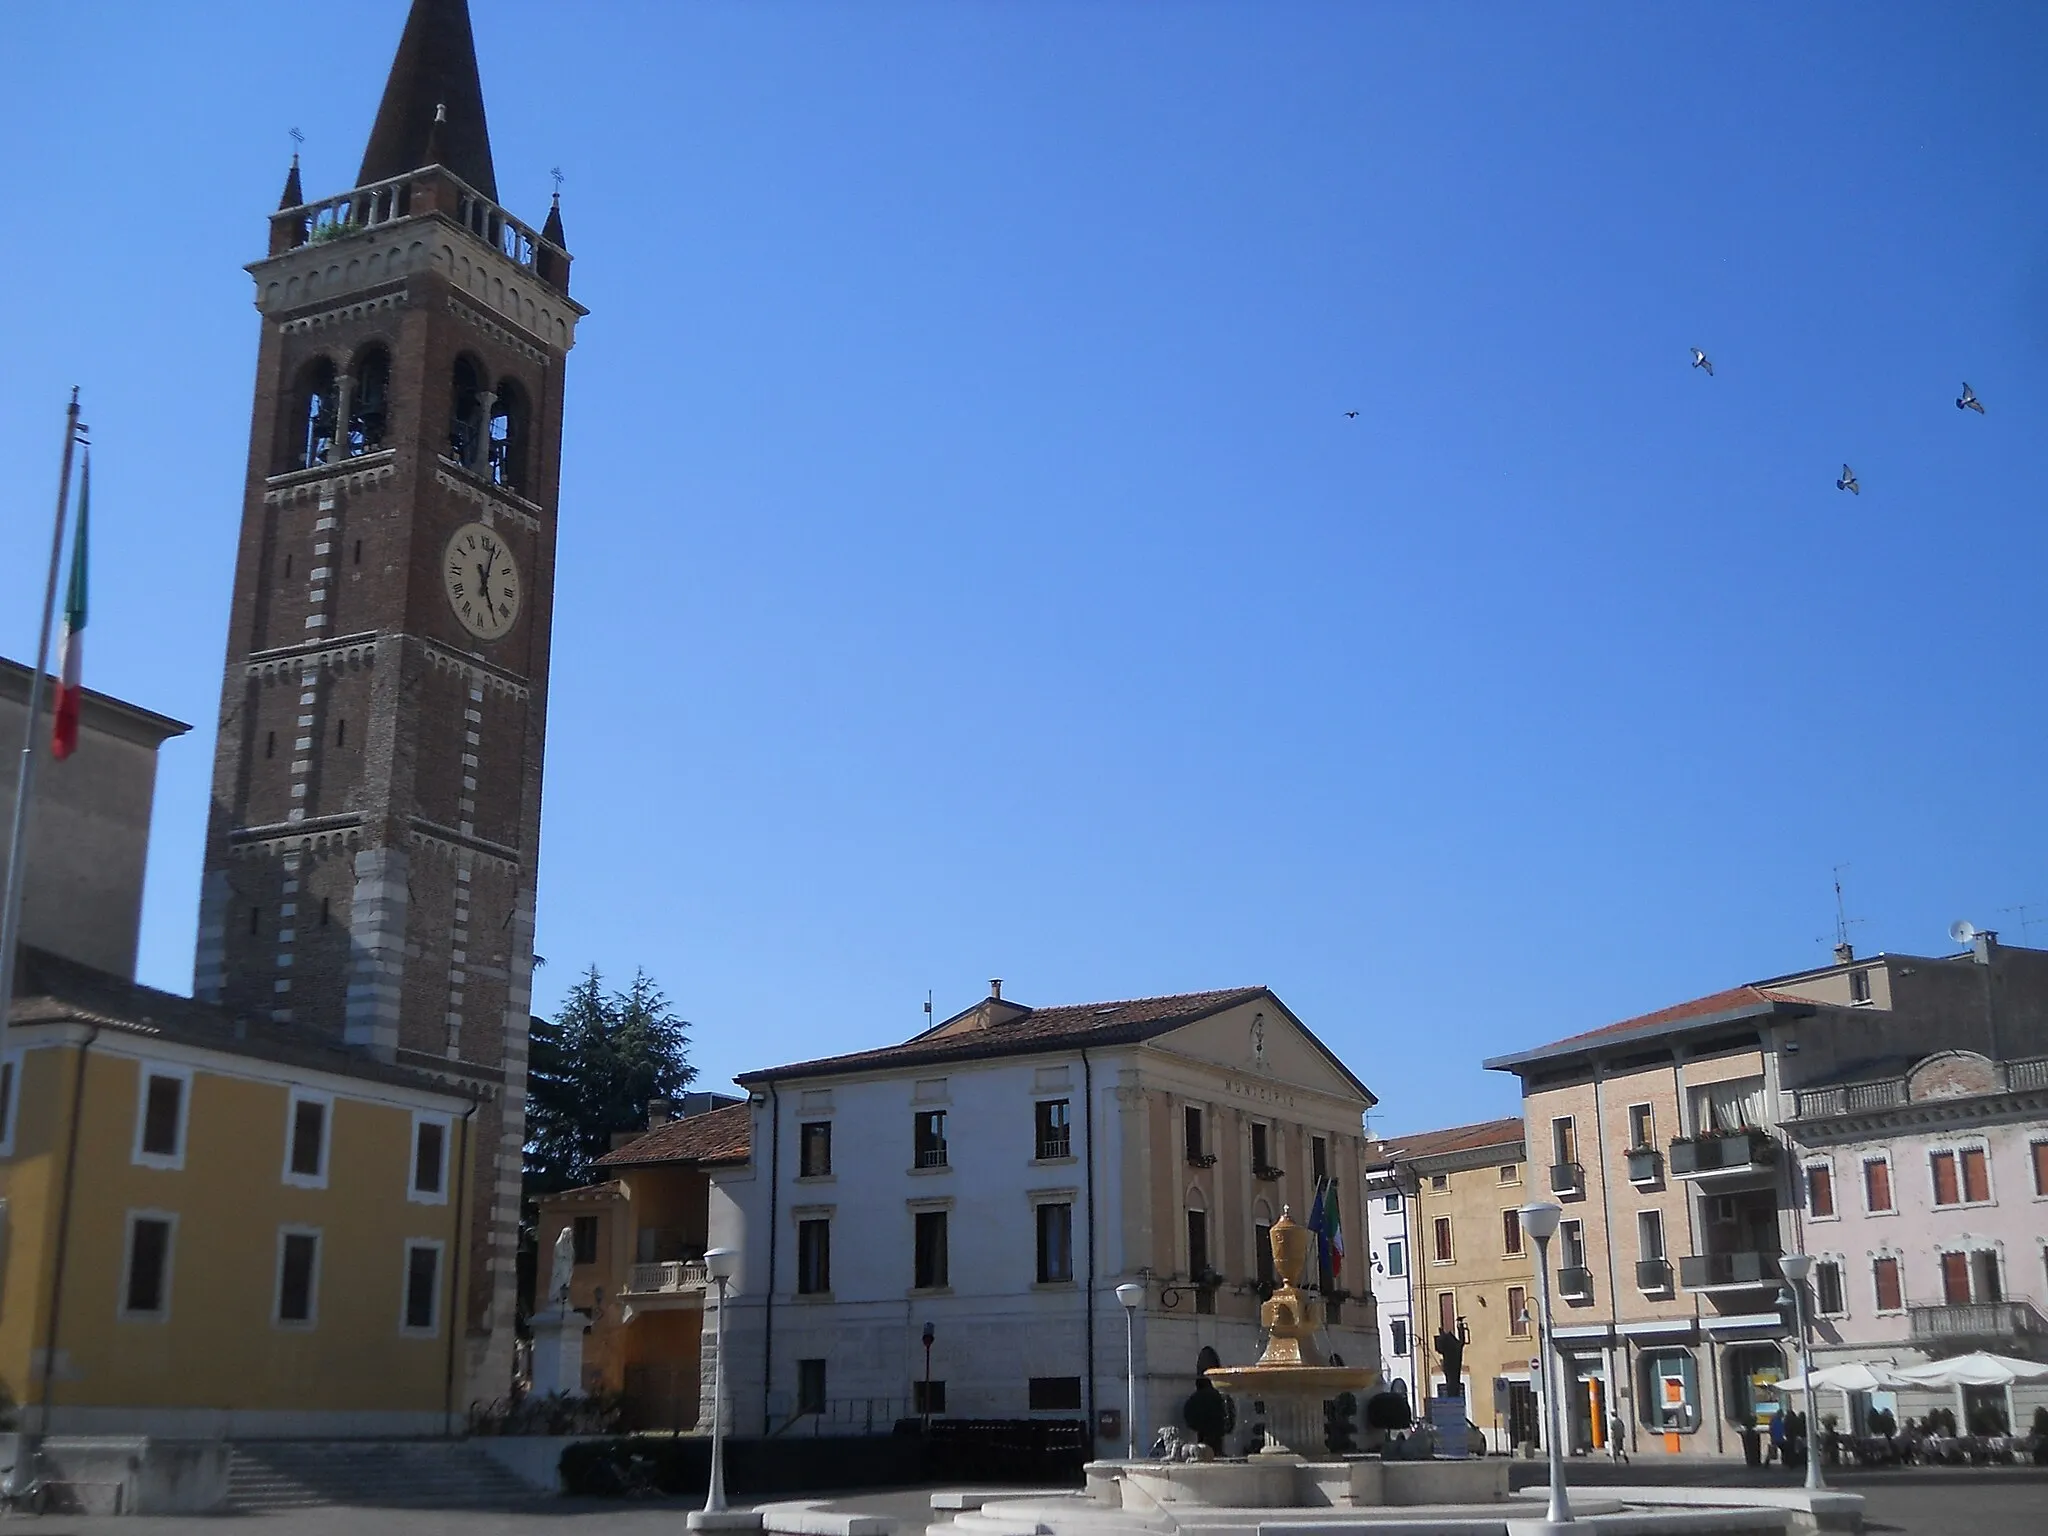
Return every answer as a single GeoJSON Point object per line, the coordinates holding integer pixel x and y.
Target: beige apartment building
{"type": "Point", "coordinates": [1469, 1272]}
{"type": "Point", "coordinates": [1662, 1138]}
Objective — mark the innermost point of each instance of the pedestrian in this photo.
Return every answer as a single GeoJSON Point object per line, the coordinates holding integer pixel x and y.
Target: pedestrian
{"type": "Point", "coordinates": [1617, 1437]}
{"type": "Point", "coordinates": [1778, 1427]}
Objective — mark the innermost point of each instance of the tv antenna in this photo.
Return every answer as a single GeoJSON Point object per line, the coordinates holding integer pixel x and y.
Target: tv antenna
{"type": "Point", "coordinates": [2026, 922]}
{"type": "Point", "coordinates": [927, 1007]}
{"type": "Point", "coordinates": [1843, 921]}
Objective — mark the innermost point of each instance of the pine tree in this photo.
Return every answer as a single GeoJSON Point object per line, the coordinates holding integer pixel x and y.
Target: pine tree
{"type": "Point", "coordinates": [591, 1071]}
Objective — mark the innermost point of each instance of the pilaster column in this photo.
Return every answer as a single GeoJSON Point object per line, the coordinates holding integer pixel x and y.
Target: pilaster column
{"type": "Point", "coordinates": [480, 445]}
{"type": "Point", "coordinates": [344, 403]}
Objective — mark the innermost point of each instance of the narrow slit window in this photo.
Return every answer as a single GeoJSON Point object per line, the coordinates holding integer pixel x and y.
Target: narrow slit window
{"type": "Point", "coordinates": [297, 1277]}
{"type": "Point", "coordinates": [422, 1287]}
{"type": "Point", "coordinates": [309, 1138]}
{"type": "Point", "coordinates": [147, 1288]}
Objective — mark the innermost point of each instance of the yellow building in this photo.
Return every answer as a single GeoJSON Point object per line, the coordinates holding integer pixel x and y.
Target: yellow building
{"type": "Point", "coordinates": [639, 1244]}
{"type": "Point", "coordinates": [1469, 1268]}
{"type": "Point", "coordinates": [215, 1227]}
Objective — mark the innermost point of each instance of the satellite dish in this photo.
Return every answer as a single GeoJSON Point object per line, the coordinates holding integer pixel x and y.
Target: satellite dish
{"type": "Point", "coordinates": [1963, 931]}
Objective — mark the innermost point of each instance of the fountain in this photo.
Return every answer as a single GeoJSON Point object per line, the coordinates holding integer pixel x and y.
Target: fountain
{"type": "Point", "coordinates": [1285, 1393]}
{"type": "Point", "coordinates": [1292, 1378]}
{"type": "Point", "coordinates": [1295, 1487]}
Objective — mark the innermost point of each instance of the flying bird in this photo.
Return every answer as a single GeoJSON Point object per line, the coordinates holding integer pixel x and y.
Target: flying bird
{"type": "Point", "coordinates": [1848, 482]}
{"type": "Point", "coordinates": [1701, 360]}
{"type": "Point", "coordinates": [1970, 402]}
{"type": "Point", "coordinates": [1354, 413]}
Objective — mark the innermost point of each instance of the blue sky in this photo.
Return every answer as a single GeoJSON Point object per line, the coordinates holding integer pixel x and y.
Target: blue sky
{"type": "Point", "coordinates": [968, 569]}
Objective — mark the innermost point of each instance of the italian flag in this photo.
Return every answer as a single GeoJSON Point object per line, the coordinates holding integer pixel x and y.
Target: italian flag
{"type": "Point", "coordinates": [71, 660]}
{"type": "Point", "coordinates": [1334, 1230]}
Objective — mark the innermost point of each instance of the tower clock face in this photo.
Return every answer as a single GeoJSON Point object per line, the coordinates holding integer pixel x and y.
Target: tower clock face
{"type": "Point", "coordinates": [482, 581]}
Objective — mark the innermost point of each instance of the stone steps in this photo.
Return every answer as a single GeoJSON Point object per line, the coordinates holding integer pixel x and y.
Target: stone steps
{"type": "Point", "coordinates": [281, 1475]}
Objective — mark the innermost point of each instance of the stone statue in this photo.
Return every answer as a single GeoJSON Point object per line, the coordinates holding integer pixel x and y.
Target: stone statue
{"type": "Point", "coordinates": [564, 1262]}
{"type": "Point", "coordinates": [1451, 1350]}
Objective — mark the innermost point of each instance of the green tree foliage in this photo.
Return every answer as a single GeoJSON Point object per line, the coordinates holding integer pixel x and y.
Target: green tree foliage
{"type": "Point", "coordinates": [590, 1072]}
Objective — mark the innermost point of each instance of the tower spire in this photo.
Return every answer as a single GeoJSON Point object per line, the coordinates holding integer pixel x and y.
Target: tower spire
{"type": "Point", "coordinates": [433, 74]}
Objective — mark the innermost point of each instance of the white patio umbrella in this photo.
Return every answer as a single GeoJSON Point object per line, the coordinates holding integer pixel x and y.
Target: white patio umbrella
{"type": "Point", "coordinates": [1978, 1370]}
{"type": "Point", "coordinates": [1850, 1376]}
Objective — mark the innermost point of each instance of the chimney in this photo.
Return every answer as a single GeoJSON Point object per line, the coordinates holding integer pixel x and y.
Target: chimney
{"type": "Point", "coordinates": [995, 988]}
{"type": "Point", "coordinates": [1985, 943]}
{"type": "Point", "coordinates": [659, 1113]}
{"type": "Point", "coordinates": [1844, 953]}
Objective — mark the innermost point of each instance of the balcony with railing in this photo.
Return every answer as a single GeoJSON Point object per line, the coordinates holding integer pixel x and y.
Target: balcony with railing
{"type": "Point", "coordinates": [1653, 1277]}
{"type": "Point", "coordinates": [1973, 1324]}
{"type": "Point", "coordinates": [1747, 1271]}
{"type": "Point", "coordinates": [2028, 1074]}
{"type": "Point", "coordinates": [1723, 1154]}
{"type": "Point", "coordinates": [673, 1277]}
{"type": "Point", "coordinates": [428, 190]}
{"type": "Point", "coordinates": [1645, 1165]}
{"type": "Point", "coordinates": [1567, 1178]}
{"type": "Point", "coordinates": [1575, 1283]}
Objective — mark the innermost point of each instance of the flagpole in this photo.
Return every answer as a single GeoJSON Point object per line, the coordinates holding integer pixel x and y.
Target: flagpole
{"type": "Point", "coordinates": [25, 782]}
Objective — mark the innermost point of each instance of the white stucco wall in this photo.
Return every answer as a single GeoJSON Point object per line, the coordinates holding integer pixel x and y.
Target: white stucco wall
{"type": "Point", "coordinates": [995, 1327]}
{"type": "Point", "coordinates": [1387, 1221]}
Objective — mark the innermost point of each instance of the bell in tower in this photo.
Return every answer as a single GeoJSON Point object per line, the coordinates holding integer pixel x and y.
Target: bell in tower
{"type": "Point", "coordinates": [374, 828]}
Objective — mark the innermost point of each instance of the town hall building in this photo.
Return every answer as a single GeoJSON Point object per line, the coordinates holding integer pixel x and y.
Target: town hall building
{"type": "Point", "coordinates": [989, 1184]}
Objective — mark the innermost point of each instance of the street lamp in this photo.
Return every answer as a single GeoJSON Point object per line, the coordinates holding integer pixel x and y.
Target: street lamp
{"type": "Point", "coordinates": [720, 1264]}
{"type": "Point", "coordinates": [1539, 1220]}
{"type": "Point", "coordinates": [1795, 1267]}
{"type": "Point", "coordinates": [1130, 1295]}
{"type": "Point", "coordinates": [930, 1333]}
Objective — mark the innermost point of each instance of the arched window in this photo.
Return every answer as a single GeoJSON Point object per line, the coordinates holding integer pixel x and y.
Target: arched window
{"type": "Point", "coordinates": [310, 432]}
{"type": "Point", "coordinates": [508, 436]}
{"type": "Point", "coordinates": [466, 425]}
{"type": "Point", "coordinates": [369, 400]}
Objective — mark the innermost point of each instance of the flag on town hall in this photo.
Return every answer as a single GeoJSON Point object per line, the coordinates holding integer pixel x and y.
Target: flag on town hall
{"type": "Point", "coordinates": [1315, 1221]}
{"type": "Point", "coordinates": [1333, 1227]}
{"type": "Point", "coordinates": [71, 661]}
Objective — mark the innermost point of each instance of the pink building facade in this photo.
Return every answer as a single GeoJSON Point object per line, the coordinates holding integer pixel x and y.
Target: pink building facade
{"type": "Point", "coordinates": [1923, 1198]}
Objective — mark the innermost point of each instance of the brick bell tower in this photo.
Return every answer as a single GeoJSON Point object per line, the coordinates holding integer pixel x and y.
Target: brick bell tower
{"type": "Point", "coordinates": [375, 825]}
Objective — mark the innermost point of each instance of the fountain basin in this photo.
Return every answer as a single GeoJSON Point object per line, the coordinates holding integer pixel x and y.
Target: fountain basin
{"type": "Point", "coordinates": [1294, 1396]}
{"type": "Point", "coordinates": [1275, 1482]}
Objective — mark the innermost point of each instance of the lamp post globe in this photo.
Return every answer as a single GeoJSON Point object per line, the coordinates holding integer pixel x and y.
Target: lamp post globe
{"type": "Point", "coordinates": [1540, 1220]}
{"type": "Point", "coordinates": [1796, 1267]}
{"type": "Point", "coordinates": [1130, 1295]}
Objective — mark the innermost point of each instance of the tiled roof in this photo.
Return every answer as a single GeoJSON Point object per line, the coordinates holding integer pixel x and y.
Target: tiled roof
{"type": "Point", "coordinates": [1734, 1002]}
{"type": "Point", "coordinates": [719, 1136]}
{"type": "Point", "coordinates": [611, 1189]}
{"type": "Point", "coordinates": [1457, 1138]}
{"type": "Point", "coordinates": [50, 989]}
{"type": "Point", "coordinates": [1029, 1030]}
